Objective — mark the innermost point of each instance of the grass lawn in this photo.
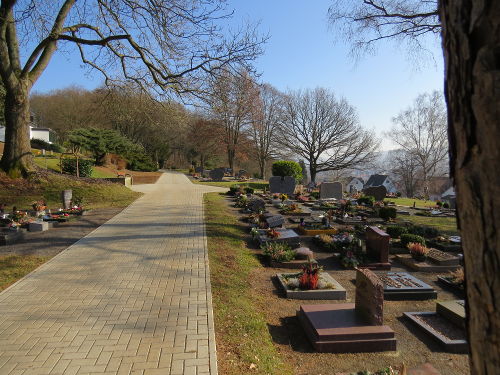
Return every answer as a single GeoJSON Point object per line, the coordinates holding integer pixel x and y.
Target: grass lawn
{"type": "Point", "coordinates": [22, 193]}
{"type": "Point", "coordinates": [53, 165]}
{"type": "Point", "coordinates": [14, 267]}
{"type": "Point", "coordinates": [244, 344]}
{"type": "Point", "coordinates": [409, 202]}
{"type": "Point", "coordinates": [446, 225]}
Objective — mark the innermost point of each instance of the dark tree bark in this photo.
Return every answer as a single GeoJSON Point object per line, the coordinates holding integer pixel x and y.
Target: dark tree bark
{"type": "Point", "coordinates": [471, 42]}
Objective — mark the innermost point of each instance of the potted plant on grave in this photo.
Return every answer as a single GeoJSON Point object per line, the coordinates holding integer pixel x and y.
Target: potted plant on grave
{"type": "Point", "coordinates": [418, 251]}
{"type": "Point", "coordinates": [283, 197]}
{"type": "Point", "coordinates": [309, 278]}
{"type": "Point", "coordinates": [39, 206]}
{"type": "Point", "coordinates": [278, 252]}
{"type": "Point", "coordinates": [255, 233]}
{"type": "Point", "coordinates": [349, 260]}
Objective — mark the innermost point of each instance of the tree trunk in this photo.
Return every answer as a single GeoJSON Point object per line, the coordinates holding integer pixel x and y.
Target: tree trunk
{"type": "Point", "coordinates": [262, 166]}
{"type": "Point", "coordinates": [471, 42]}
{"type": "Point", "coordinates": [17, 159]}
{"type": "Point", "coordinates": [312, 171]}
{"type": "Point", "coordinates": [230, 159]}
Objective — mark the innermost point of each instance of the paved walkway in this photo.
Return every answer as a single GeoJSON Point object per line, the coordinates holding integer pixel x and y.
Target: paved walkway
{"type": "Point", "coordinates": [133, 297]}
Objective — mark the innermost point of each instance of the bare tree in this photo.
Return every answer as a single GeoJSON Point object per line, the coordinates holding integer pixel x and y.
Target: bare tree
{"type": "Point", "coordinates": [324, 130]}
{"type": "Point", "coordinates": [231, 103]}
{"type": "Point", "coordinates": [471, 41]}
{"type": "Point", "coordinates": [266, 114]}
{"type": "Point", "coordinates": [404, 168]}
{"type": "Point", "coordinates": [204, 138]}
{"type": "Point", "coordinates": [172, 45]}
{"type": "Point", "coordinates": [363, 23]}
{"type": "Point", "coordinates": [421, 131]}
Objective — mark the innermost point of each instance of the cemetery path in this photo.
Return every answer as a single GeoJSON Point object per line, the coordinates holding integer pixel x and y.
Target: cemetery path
{"type": "Point", "coordinates": [132, 297]}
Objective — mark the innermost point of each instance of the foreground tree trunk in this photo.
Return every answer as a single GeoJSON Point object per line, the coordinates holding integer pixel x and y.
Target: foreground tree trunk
{"type": "Point", "coordinates": [471, 41]}
{"type": "Point", "coordinates": [17, 159]}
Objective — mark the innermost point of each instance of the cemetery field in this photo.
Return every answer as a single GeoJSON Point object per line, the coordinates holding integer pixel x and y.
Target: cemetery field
{"type": "Point", "coordinates": [244, 344]}
{"type": "Point", "coordinates": [247, 301]}
{"type": "Point", "coordinates": [259, 184]}
{"type": "Point", "coordinates": [447, 225]}
{"type": "Point", "coordinates": [13, 267]}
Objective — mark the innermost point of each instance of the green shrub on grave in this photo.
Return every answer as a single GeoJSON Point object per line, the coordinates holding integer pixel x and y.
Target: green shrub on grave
{"type": "Point", "coordinates": [396, 231]}
{"type": "Point", "coordinates": [387, 213]}
{"type": "Point", "coordinates": [285, 168]}
{"type": "Point", "coordinates": [366, 199]}
{"type": "Point", "coordinates": [408, 238]}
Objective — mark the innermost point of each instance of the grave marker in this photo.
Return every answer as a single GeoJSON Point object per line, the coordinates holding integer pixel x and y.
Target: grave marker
{"type": "Point", "coordinates": [282, 185]}
{"type": "Point", "coordinates": [379, 192]}
{"type": "Point", "coordinates": [217, 174]}
{"type": "Point", "coordinates": [328, 190]}
{"type": "Point", "coordinates": [257, 205]}
{"type": "Point", "coordinates": [377, 249]}
{"type": "Point", "coordinates": [369, 297]}
{"type": "Point", "coordinates": [275, 221]}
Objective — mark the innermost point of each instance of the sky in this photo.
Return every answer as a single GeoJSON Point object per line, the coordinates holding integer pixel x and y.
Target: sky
{"type": "Point", "coordinates": [304, 52]}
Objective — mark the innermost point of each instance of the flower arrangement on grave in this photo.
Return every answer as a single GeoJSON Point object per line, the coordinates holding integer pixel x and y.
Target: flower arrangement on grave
{"type": "Point", "coordinates": [302, 198]}
{"type": "Point", "coordinates": [278, 251]}
{"type": "Point", "coordinates": [325, 240]}
{"type": "Point", "coordinates": [283, 197]}
{"type": "Point", "coordinates": [276, 196]}
{"type": "Point", "coordinates": [39, 206]}
{"type": "Point", "coordinates": [291, 208]}
{"type": "Point", "coordinates": [308, 280]}
{"type": "Point", "coordinates": [255, 233]}
{"type": "Point", "coordinates": [18, 216]}
{"type": "Point", "coordinates": [272, 233]}
{"type": "Point", "coordinates": [241, 201]}
{"type": "Point", "coordinates": [456, 277]}
{"type": "Point", "coordinates": [349, 260]}
{"type": "Point", "coordinates": [418, 251]}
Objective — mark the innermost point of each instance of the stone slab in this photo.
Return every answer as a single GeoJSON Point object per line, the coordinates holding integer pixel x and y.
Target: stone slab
{"type": "Point", "coordinates": [296, 264]}
{"type": "Point", "coordinates": [442, 259]}
{"type": "Point", "coordinates": [337, 293]}
{"type": "Point", "coordinates": [369, 297]}
{"type": "Point", "coordinates": [336, 328]}
{"type": "Point", "coordinates": [10, 237]}
{"type": "Point", "coordinates": [282, 185]}
{"type": "Point", "coordinates": [314, 232]}
{"type": "Point", "coordinates": [38, 226]}
{"type": "Point", "coordinates": [328, 190]}
{"type": "Point", "coordinates": [379, 192]}
{"type": "Point", "coordinates": [286, 235]}
{"type": "Point", "coordinates": [454, 346]}
{"type": "Point", "coordinates": [403, 286]}
{"type": "Point", "coordinates": [449, 285]}
{"type": "Point", "coordinates": [454, 311]}
{"type": "Point", "coordinates": [409, 262]}
{"type": "Point", "coordinates": [275, 221]}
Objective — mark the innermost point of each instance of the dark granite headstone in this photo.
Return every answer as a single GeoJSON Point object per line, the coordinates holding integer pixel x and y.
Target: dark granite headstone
{"type": "Point", "coordinates": [198, 170]}
{"type": "Point", "coordinates": [217, 174]}
{"type": "Point", "coordinates": [369, 297]}
{"type": "Point", "coordinates": [328, 190]}
{"type": "Point", "coordinates": [242, 173]}
{"type": "Point", "coordinates": [377, 244]}
{"type": "Point", "coordinates": [257, 205]}
{"type": "Point", "coordinates": [275, 221]}
{"type": "Point", "coordinates": [379, 192]}
{"type": "Point", "coordinates": [282, 185]}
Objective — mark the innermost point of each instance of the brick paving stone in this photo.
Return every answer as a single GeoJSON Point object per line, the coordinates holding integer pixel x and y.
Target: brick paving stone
{"type": "Point", "coordinates": [131, 297]}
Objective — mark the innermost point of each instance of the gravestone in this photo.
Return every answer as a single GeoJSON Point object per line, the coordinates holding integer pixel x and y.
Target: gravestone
{"type": "Point", "coordinates": [66, 196]}
{"type": "Point", "coordinates": [217, 174]}
{"type": "Point", "coordinates": [442, 259]}
{"type": "Point", "coordinates": [198, 170]}
{"type": "Point", "coordinates": [275, 221]}
{"type": "Point", "coordinates": [369, 297]}
{"type": "Point", "coordinates": [379, 192]}
{"type": "Point", "coordinates": [454, 311]}
{"type": "Point", "coordinates": [377, 249]}
{"type": "Point", "coordinates": [257, 205]}
{"type": "Point", "coordinates": [282, 185]}
{"type": "Point", "coordinates": [328, 190]}
{"type": "Point", "coordinates": [349, 327]}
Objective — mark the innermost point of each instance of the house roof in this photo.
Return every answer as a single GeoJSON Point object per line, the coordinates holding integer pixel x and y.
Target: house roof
{"type": "Point", "coordinates": [376, 180]}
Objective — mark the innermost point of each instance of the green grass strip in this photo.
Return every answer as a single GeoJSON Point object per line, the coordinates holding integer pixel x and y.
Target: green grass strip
{"type": "Point", "coordinates": [242, 335]}
{"type": "Point", "coordinates": [14, 267]}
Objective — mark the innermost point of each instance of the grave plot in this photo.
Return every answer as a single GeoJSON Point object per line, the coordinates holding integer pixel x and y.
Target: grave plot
{"type": "Point", "coordinates": [454, 281]}
{"type": "Point", "coordinates": [10, 235]}
{"type": "Point", "coordinates": [296, 210]}
{"type": "Point", "coordinates": [446, 325]}
{"type": "Point", "coordinates": [314, 229]}
{"type": "Point", "coordinates": [403, 286]}
{"type": "Point", "coordinates": [298, 220]}
{"type": "Point", "coordinates": [288, 236]}
{"type": "Point", "coordinates": [327, 287]}
{"type": "Point", "coordinates": [436, 261]}
{"type": "Point", "coordinates": [348, 327]}
{"type": "Point", "coordinates": [282, 255]}
{"type": "Point", "coordinates": [38, 226]}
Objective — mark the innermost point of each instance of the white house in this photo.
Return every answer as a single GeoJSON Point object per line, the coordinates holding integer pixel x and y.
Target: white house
{"type": "Point", "coordinates": [355, 185]}
{"type": "Point", "coordinates": [381, 180]}
{"type": "Point", "coordinates": [46, 134]}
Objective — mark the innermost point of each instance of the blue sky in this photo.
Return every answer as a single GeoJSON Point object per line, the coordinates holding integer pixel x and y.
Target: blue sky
{"type": "Point", "coordinates": [303, 52]}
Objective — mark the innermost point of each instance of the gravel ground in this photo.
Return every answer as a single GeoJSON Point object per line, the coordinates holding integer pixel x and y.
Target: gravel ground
{"type": "Point", "coordinates": [413, 346]}
{"type": "Point", "coordinates": [56, 239]}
